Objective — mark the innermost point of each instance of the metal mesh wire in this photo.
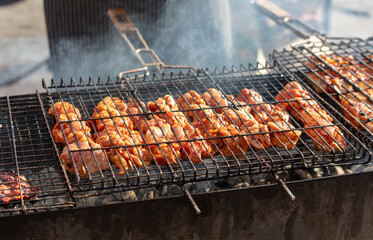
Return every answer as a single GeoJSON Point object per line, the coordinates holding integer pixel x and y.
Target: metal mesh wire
{"type": "Point", "coordinates": [298, 61]}
{"type": "Point", "coordinates": [26, 148]}
{"type": "Point", "coordinates": [85, 95]}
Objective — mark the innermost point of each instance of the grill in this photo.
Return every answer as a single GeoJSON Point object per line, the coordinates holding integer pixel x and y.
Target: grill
{"type": "Point", "coordinates": [29, 148]}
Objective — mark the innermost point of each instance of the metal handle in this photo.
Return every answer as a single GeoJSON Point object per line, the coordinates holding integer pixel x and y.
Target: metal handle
{"type": "Point", "coordinates": [282, 17]}
{"type": "Point", "coordinates": [136, 42]}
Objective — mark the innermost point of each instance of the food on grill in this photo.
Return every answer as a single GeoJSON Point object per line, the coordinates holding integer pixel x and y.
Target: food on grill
{"type": "Point", "coordinates": [318, 122]}
{"type": "Point", "coordinates": [240, 118]}
{"type": "Point", "coordinates": [205, 125]}
{"type": "Point", "coordinates": [359, 74]}
{"type": "Point", "coordinates": [211, 124]}
{"type": "Point", "coordinates": [158, 133]}
{"type": "Point", "coordinates": [192, 147]}
{"type": "Point", "coordinates": [10, 188]}
{"type": "Point", "coordinates": [359, 107]}
{"type": "Point", "coordinates": [79, 141]}
{"type": "Point", "coordinates": [67, 113]}
{"type": "Point", "coordinates": [275, 117]}
{"type": "Point", "coordinates": [115, 129]}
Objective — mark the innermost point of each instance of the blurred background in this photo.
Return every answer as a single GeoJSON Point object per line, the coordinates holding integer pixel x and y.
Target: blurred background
{"type": "Point", "coordinates": [74, 38]}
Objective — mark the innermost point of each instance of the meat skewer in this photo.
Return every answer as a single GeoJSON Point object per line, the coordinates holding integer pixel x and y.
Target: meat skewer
{"type": "Point", "coordinates": [274, 117]}
{"type": "Point", "coordinates": [241, 118]}
{"type": "Point", "coordinates": [115, 128]}
{"type": "Point", "coordinates": [195, 150]}
{"type": "Point", "coordinates": [79, 141]}
{"type": "Point", "coordinates": [301, 106]}
{"type": "Point", "coordinates": [158, 133]}
{"type": "Point", "coordinates": [212, 125]}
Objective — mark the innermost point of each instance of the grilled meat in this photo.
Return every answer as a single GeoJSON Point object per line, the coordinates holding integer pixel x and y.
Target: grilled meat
{"type": "Point", "coordinates": [275, 117]}
{"type": "Point", "coordinates": [329, 80]}
{"type": "Point", "coordinates": [158, 133]}
{"type": "Point", "coordinates": [116, 129]}
{"type": "Point", "coordinates": [67, 112]}
{"type": "Point", "coordinates": [79, 141]}
{"type": "Point", "coordinates": [316, 120]}
{"type": "Point", "coordinates": [359, 107]}
{"type": "Point", "coordinates": [211, 124]}
{"type": "Point", "coordinates": [10, 188]}
{"type": "Point", "coordinates": [240, 118]}
{"type": "Point", "coordinates": [193, 148]}
{"type": "Point", "coordinates": [356, 104]}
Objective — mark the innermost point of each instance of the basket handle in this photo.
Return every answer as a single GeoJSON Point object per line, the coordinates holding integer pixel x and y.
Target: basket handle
{"type": "Point", "coordinates": [284, 18]}
{"type": "Point", "coordinates": [138, 45]}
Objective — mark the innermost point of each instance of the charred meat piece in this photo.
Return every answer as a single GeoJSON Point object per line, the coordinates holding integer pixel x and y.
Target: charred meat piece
{"type": "Point", "coordinates": [10, 188]}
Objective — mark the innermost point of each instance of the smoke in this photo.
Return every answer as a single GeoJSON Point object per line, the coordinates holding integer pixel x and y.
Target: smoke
{"type": "Point", "coordinates": [196, 33]}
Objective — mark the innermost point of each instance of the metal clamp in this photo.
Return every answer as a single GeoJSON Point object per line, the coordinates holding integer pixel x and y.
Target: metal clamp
{"type": "Point", "coordinates": [138, 45]}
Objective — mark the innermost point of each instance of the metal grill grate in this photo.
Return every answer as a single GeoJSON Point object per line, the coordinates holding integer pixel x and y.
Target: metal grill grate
{"type": "Point", "coordinates": [299, 59]}
{"type": "Point", "coordinates": [25, 148]}
{"type": "Point", "coordinates": [85, 95]}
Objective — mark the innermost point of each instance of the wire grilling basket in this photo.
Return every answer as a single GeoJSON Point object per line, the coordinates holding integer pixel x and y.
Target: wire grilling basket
{"type": "Point", "coordinates": [341, 70]}
{"type": "Point", "coordinates": [28, 147]}
{"type": "Point", "coordinates": [26, 151]}
{"type": "Point", "coordinates": [266, 81]}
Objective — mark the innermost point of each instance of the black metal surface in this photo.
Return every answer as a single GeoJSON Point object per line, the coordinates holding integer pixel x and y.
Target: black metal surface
{"type": "Point", "coordinates": [86, 95]}
{"type": "Point", "coordinates": [296, 61]}
{"type": "Point", "coordinates": [328, 208]}
{"type": "Point", "coordinates": [26, 148]}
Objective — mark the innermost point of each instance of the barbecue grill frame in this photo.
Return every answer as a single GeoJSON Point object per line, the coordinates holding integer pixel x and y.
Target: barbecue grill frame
{"type": "Point", "coordinates": [345, 206]}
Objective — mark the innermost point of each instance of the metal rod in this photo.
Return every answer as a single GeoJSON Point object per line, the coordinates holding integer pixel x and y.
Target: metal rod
{"type": "Point", "coordinates": [15, 155]}
{"type": "Point", "coordinates": [190, 198]}
{"type": "Point", "coordinates": [68, 184]}
{"type": "Point", "coordinates": [127, 29]}
{"type": "Point", "coordinates": [282, 17]}
{"type": "Point", "coordinates": [282, 183]}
